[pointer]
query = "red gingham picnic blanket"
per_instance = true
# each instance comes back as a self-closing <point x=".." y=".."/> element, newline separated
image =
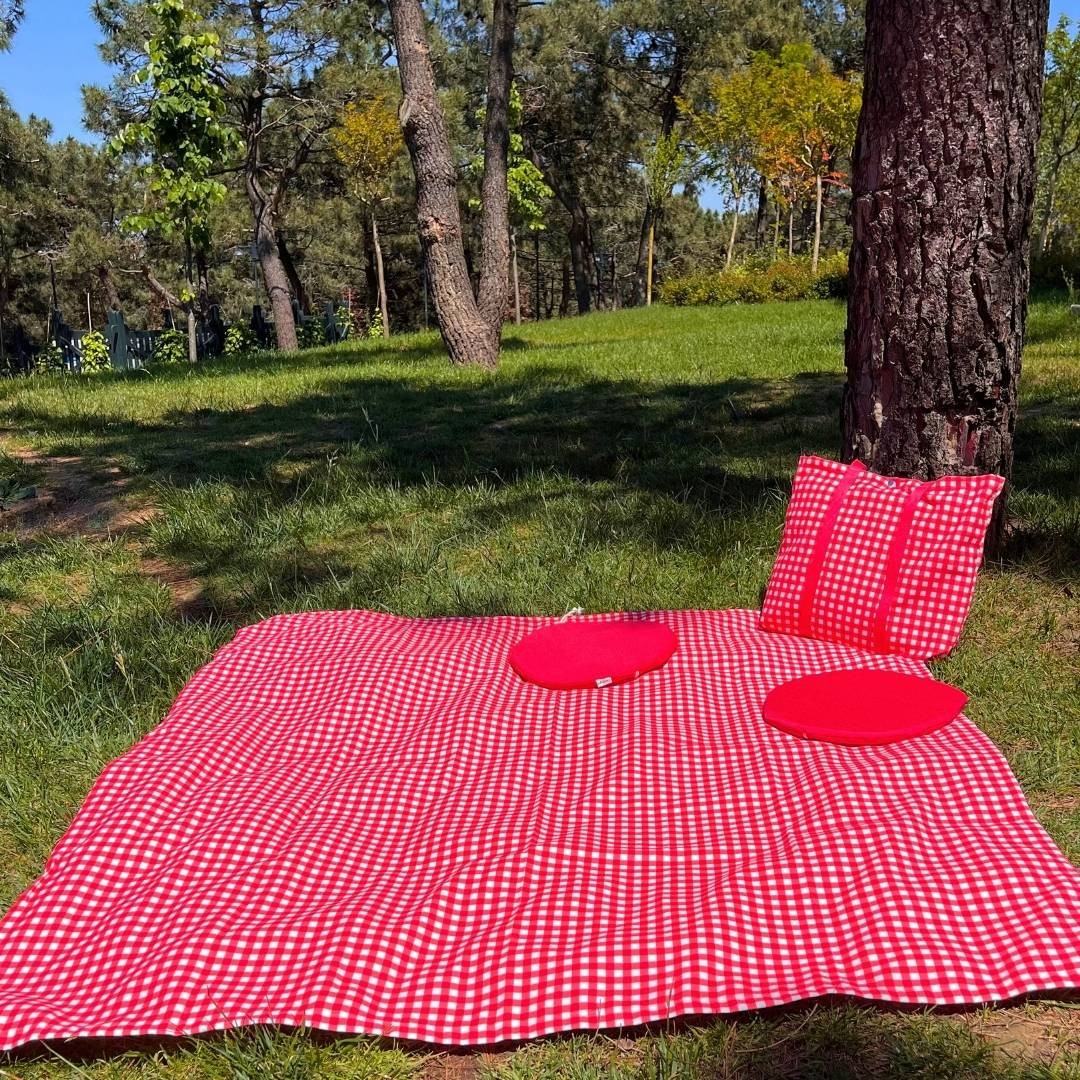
<point x="365" y="823"/>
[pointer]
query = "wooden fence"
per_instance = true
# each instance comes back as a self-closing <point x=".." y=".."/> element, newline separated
<point x="130" y="348"/>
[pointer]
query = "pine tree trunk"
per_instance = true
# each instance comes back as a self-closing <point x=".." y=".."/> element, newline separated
<point x="791" y="233"/>
<point x="296" y="283"/>
<point x="564" y="296"/>
<point x="761" y="222"/>
<point x="517" y="282"/>
<point x="581" y="257"/>
<point x="471" y="328"/>
<point x="942" y="192"/>
<point x="649" y="263"/>
<point x="275" y="279"/>
<point x="380" y="276"/>
<point x="189" y="305"/>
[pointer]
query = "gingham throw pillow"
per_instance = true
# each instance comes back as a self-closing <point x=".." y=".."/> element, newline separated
<point x="879" y="562"/>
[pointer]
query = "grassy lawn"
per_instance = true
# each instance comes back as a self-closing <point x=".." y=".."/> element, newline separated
<point x="628" y="460"/>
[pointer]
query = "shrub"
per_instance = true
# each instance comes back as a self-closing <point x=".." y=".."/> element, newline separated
<point x="95" y="351"/>
<point x="171" y="347"/>
<point x="375" y="325"/>
<point x="50" y="361"/>
<point x="310" y="333"/>
<point x="239" y="341"/>
<point x="754" y="283"/>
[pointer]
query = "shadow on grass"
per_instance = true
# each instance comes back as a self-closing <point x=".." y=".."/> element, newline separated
<point x="726" y="447"/>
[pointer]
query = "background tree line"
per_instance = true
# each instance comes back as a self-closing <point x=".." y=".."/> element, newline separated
<point x="315" y="201"/>
<point x="314" y="198"/>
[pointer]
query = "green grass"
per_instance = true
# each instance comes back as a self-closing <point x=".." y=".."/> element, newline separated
<point x="632" y="460"/>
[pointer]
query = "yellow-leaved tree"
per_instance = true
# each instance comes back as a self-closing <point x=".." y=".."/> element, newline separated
<point x="367" y="142"/>
<point x="728" y="132"/>
<point x="808" y="126"/>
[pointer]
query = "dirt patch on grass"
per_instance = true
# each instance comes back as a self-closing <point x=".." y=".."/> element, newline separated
<point x="463" y="1066"/>
<point x="74" y="498"/>
<point x="1040" y="1032"/>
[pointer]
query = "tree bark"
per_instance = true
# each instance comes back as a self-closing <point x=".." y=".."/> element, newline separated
<point x="564" y="296"/>
<point x="274" y="275"/>
<point x="292" y="273"/>
<point x="112" y="296"/>
<point x="732" y="235"/>
<point x="517" y="282"/>
<point x="942" y="191"/>
<point x="817" y="224"/>
<point x="581" y="256"/>
<point x="470" y="328"/>
<point x="263" y="203"/>
<point x="761" y="221"/>
<point x="648" y="265"/>
<point x="380" y="276"/>
<point x="1048" y="215"/>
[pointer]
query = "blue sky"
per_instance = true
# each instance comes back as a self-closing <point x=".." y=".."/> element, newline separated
<point x="55" y="53"/>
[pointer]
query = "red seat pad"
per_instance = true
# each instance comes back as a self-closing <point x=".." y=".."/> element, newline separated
<point x="357" y="822"/>
<point x="862" y="708"/>
<point x="581" y="654"/>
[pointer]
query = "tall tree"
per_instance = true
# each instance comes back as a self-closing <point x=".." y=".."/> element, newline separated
<point x="471" y="325"/>
<point x="367" y="143"/>
<point x="664" y="166"/>
<point x="943" y="188"/>
<point x="286" y="70"/>
<point x="573" y="124"/>
<point x="809" y="127"/>
<point x="664" y="49"/>
<point x="728" y="132"/>
<point x="185" y="137"/>
<point x="1060" y="142"/>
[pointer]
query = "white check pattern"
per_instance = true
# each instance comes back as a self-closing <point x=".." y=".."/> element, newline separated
<point x="936" y="579"/>
<point x="365" y="823"/>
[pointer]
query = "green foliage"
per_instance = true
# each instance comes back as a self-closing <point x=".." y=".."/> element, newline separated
<point x="311" y="333"/>
<point x="1059" y="144"/>
<point x="239" y="341"/>
<point x="663" y="166"/>
<point x="375" y="325"/>
<point x="50" y="360"/>
<point x="527" y="192"/>
<point x="344" y="323"/>
<point x="184" y="132"/>
<point x="785" y="279"/>
<point x="171" y="347"/>
<point x="95" y="351"/>
<point x="11" y="14"/>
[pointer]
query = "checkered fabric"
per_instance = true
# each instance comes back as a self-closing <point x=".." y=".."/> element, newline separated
<point x="365" y="823"/>
<point x="879" y="562"/>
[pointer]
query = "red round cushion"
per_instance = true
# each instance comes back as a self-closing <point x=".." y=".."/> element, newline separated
<point x="581" y="655"/>
<point x="862" y="708"/>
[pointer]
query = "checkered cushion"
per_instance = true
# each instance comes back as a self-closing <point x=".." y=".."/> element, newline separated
<point x="879" y="562"/>
<point x="364" y="823"/>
